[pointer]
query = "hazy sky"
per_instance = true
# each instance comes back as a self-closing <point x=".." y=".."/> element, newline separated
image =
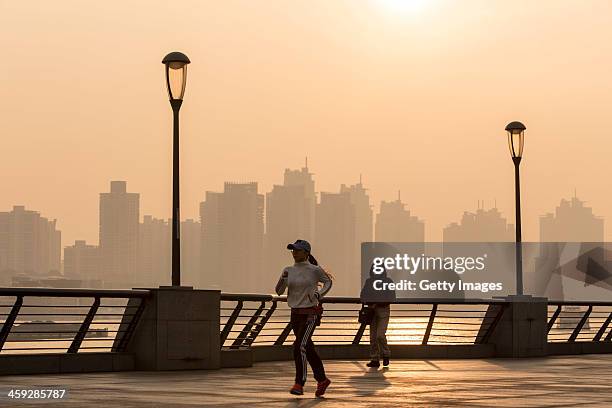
<point x="413" y="96"/>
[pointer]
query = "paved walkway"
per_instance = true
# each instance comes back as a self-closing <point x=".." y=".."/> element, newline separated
<point x="584" y="381"/>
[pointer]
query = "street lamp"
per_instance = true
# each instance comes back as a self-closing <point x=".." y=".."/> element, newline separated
<point x="516" y="140"/>
<point x="176" y="78"/>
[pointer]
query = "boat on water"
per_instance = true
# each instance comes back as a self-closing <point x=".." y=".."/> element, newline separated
<point x="49" y="329"/>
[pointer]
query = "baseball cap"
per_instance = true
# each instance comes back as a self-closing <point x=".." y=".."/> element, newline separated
<point x="300" y="244"/>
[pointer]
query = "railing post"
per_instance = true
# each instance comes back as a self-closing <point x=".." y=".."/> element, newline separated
<point x="603" y="328"/>
<point x="230" y="322"/>
<point x="432" y="318"/>
<point x="580" y="324"/>
<point x="80" y="335"/>
<point x="10" y="319"/>
<point x="259" y="326"/>
<point x="609" y="336"/>
<point x="124" y="336"/>
<point x="483" y="337"/>
<point x="247" y="328"/>
<point x="284" y="334"/>
<point x="553" y="319"/>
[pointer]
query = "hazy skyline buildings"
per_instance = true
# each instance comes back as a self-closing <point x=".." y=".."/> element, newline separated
<point x="364" y="220"/>
<point x="154" y="251"/>
<point x="230" y="250"/>
<point x="29" y="244"/>
<point x="480" y="226"/>
<point x="334" y="245"/>
<point x="83" y="262"/>
<point x="572" y="221"/>
<point x="191" y="235"/>
<point x="394" y="223"/>
<point x="290" y="215"/>
<point x="119" y="222"/>
<point x="232" y="237"/>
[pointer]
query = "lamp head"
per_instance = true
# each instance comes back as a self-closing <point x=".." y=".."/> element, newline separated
<point x="516" y="139"/>
<point x="176" y="74"/>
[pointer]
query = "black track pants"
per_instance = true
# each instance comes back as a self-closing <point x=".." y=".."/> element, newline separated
<point x="303" y="348"/>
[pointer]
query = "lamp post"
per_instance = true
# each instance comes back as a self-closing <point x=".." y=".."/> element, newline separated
<point x="176" y="78"/>
<point x="516" y="139"/>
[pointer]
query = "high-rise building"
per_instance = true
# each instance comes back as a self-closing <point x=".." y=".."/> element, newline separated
<point x="119" y="222"/>
<point x="232" y="238"/>
<point x="481" y="226"/>
<point x="29" y="244"/>
<point x="303" y="178"/>
<point x="334" y="244"/>
<point x="210" y="241"/>
<point x="290" y="215"/>
<point x="83" y="262"/>
<point x="191" y="233"/>
<point x="154" y="253"/>
<point x="394" y="223"/>
<point x="571" y="222"/>
<point x="363" y="213"/>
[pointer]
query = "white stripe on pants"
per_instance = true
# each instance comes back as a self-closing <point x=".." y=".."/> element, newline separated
<point x="305" y="339"/>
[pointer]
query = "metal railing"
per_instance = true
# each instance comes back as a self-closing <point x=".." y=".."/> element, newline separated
<point x="254" y="320"/>
<point x="573" y="321"/>
<point x="43" y="320"/>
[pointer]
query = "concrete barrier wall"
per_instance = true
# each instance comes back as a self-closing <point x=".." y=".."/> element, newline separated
<point x="246" y="357"/>
<point x="579" y="347"/>
<point x="58" y="363"/>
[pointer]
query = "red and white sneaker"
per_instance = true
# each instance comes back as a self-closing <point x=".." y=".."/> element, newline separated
<point x="297" y="389"/>
<point x="322" y="386"/>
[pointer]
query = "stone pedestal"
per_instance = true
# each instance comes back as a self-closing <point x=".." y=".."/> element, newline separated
<point x="178" y="330"/>
<point x="521" y="332"/>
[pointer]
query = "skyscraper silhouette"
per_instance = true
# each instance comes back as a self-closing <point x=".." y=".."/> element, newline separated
<point x="334" y="244"/>
<point x="290" y="215"/>
<point x="29" y="244"/>
<point x="232" y="238"/>
<point x="571" y="222"/>
<point x="395" y="224"/>
<point x="481" y="226"/>
<point x="191" y="233"/>
<point x="363" y="216"/>
<point x="83" y="262"/>
<point x="119" y="222"/>
<point x="154" y="264"/>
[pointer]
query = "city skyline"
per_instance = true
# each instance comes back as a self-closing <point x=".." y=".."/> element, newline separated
<point x="432" y="233"/>
<point x="433" y="228"/>
<point x="239" y="241"/>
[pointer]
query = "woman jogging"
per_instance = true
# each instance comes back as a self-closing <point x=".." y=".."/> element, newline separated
<point x="303" y="294"/>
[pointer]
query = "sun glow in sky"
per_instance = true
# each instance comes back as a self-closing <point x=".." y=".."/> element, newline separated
<point x="403" y="6"/>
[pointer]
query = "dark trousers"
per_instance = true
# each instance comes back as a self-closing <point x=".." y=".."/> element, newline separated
<point x="378" y="332"/>
<point x="303" y="348"/>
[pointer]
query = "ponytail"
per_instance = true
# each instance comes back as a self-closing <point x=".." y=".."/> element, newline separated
<point x="313" y="261"/>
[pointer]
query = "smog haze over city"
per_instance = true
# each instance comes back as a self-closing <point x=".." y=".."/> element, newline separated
<point x="394" y="99"/>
